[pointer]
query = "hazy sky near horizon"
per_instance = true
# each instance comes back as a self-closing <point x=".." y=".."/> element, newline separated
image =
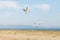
<point x="48" y="11"/>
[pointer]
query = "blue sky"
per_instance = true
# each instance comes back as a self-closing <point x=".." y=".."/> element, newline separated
<point x="48" y="11"/>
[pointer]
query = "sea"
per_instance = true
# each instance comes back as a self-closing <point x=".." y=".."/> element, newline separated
<point x="29" y="27"/>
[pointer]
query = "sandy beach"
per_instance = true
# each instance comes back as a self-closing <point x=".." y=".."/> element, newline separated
<point x="29" y="35"/>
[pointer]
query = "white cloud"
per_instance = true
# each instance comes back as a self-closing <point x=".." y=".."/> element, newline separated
<point x="43" y="7"/>
<point x="5" y="15"/>
<point x="8" y="4"/>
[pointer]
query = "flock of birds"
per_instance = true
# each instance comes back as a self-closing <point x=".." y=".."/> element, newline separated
<point x="27" y="10"/>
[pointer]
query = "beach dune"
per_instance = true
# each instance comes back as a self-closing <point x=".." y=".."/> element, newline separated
<point x="29" y="35"/>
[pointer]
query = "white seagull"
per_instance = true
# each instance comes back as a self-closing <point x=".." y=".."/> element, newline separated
<point x="27" y="10"/>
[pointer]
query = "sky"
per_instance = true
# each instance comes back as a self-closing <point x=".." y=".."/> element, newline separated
<point x="48" y="11"/>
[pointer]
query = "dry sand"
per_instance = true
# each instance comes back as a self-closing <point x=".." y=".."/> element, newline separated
<point x="29" y="35"/>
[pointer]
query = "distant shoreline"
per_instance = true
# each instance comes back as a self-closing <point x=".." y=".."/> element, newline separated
<point x="31" y="29"/>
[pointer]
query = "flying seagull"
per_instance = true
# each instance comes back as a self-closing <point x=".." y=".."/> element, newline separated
<point x="26" y="9"/>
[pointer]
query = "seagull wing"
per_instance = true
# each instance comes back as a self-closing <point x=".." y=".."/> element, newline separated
<point x="24" y="10"/>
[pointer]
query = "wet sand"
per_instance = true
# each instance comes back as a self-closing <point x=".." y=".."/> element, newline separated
<point x="29" y="35"/>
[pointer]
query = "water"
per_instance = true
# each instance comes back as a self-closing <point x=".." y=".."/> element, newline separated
<point x="29" y="28"/>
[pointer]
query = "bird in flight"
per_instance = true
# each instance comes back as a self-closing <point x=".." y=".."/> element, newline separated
<point x="27" y="10"/>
